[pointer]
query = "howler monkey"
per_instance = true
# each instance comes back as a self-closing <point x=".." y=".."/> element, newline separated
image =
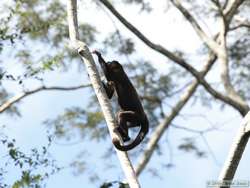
<point x="131" y="113"/>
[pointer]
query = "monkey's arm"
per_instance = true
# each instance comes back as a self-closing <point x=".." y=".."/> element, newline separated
<point x="103" y="64"/>
<point x="109" y="88"/>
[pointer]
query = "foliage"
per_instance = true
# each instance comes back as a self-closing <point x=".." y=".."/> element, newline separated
<point x="33" y="168"/>
<point x="34" y="37"/>
<point x="240" y="67"/>
<point x="112" y="184"/>
<point x="145" y="6"/>
<point x="77" y="121"/>
<point x="189" y="145"/>
<point x="120" y="45"/>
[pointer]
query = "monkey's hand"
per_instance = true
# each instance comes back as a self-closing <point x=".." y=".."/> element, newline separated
<point x="109" y="88"/>
<point x="111" y="84"/>
<point x="96" y="52"/>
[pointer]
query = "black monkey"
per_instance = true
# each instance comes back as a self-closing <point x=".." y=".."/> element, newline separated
<point x="131" y="113"/>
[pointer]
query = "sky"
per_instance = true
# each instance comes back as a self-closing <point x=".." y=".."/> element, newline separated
<point x="161" y="27"/>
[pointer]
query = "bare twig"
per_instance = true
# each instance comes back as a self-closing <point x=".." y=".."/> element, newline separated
<point x="99" y="90"/>
<point x="212" y="44"/>
<point x="145" y="157"/>
<point x="158" y="132"/>
<point x="200" y="132"/>
<point x="134" y="30"/>
<point x="243" y="108"/>
<point x="241" y="25"/>
<point x="223" y="57"/>
<point x="210" y="150"/>
<point x="231" y="9"/>
<point x="20" y="96"/>
<point x="220" y="48"/>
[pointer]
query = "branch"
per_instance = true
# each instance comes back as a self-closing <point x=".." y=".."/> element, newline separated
<point x="231" y="8"/>
<point x="223" y="58"/>
<point x="145" y="157"/>
<point x="156" y="135"/>
<point x="229" y="12"/>
<point x="134" y="30"/>
<point x="99" y="90"/>
<point x="219" y="49"/>
<point x="212" y="44"/>
<point x="236" y="151"/>
<point x="241" y="22"/>
<point x="20" y="96"/>
<point x="243" y="108"/>
<point x="241" y="25"/>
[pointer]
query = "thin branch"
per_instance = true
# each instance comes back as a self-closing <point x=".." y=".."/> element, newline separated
<point x="236" y="151"/>
<point x="231" y="8"/>
<point x="223" y="58"/>
<point x="210" y="150"/>
<point x="243" y="108"/>
<point x="145" y="157"/>
<point x="158" y="132"/>
<point x="220" y="49"/>
<point x="212" y="44"/>
<point x="241" y="22"/>
<point x="200" y="132"/>
<point x="20" y="96"/>
<point x="134" y="30"/>
<point x="225" y="78"/>
<point x="225" y="4"/>
<point x="99" y="90"/>
<point x="117" y="31"/>
<point x="241" y="25"/>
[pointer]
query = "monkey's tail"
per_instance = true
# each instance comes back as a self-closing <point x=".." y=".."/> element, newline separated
<point x="142" y="133"/>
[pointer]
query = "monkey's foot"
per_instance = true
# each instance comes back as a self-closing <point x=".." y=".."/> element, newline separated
<point x="125" y="139"/>
<point x="123" y="134"/>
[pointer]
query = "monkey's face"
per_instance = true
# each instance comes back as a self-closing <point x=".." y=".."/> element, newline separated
<point x="115" y="67"/>
<point x="115" y="70"/>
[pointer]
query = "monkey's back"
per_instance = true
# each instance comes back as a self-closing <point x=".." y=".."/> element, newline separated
<point x="128" y="97"/>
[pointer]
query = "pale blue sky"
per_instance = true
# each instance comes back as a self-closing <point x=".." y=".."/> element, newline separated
<point x="189" y="171"/>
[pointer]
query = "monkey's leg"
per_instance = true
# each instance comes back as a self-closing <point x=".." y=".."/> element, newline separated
<point x="125" y="117"/>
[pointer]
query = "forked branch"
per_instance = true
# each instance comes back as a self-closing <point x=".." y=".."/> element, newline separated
<point x="243" y="108"/>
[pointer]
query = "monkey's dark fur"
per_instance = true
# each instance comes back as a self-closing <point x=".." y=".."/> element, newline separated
<point x="131" y="113"/>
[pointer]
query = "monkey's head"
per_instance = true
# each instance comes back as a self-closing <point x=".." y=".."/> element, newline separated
<point x="115" y="67"/>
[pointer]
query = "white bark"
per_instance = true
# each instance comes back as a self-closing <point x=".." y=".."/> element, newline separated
<point x="236" y="151"/>
<point x="145" y="157"/>
<point x="243" y="108"/>
<point x="223" y="57"/>
<point x="209" y="41"/>
<point x="7" y="104"/>
<point x="161" y="128"/>
<point x="99" y="90"/>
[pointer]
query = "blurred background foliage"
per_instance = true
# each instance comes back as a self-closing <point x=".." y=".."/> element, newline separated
<point x="34" y="39"/>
